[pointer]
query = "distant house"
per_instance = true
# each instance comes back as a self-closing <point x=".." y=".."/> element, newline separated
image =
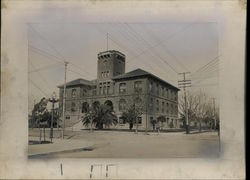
<point x="117" y="89"/>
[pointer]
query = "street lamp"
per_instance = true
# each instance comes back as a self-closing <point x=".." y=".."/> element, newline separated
<point x="53" y="101"/>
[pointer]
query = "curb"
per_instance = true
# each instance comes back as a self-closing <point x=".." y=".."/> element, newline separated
<point x="90" y="148"/>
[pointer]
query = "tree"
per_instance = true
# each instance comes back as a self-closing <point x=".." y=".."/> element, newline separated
<point x="134" y="110"/>
<point x="100" y="116"/>
<point x="192" y="105"/>
<point x="199" y="109"/>
<point x="40" y="112"/>
<point x="160" y="121"/>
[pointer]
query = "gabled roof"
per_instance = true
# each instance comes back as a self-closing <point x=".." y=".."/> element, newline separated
<point x="140" y="73"/>
<point x="76" y="82"/>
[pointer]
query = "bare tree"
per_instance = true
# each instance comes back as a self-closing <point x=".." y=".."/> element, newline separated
<point x="134" y="109"/>
<point x="199" y="109"/>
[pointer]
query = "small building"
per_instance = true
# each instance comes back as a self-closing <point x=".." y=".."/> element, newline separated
<point x="118" y="89"/>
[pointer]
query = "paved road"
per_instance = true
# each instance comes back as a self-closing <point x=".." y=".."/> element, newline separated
<point x="113" y="144"/>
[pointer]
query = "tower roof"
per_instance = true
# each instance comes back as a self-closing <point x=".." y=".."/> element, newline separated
<point x="110" y="52"/>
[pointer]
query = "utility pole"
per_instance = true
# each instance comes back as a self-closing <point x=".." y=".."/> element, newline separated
<point x="214" y="113"/>
<point x="64" y="94"/>
<point x="53" y="101"/>
<point x="184" y="84"/>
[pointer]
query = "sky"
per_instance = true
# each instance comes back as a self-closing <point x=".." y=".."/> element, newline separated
<point x="164" y="50"/>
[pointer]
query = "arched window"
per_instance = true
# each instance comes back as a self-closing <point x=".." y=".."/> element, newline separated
<point x="109" y="104"/>
<point x="122" y="104"/>
<point x="85" y="107"/>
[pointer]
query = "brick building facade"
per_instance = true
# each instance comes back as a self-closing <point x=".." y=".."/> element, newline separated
<point x="119" y="89"/>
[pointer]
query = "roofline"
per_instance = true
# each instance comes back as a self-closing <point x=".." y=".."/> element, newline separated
<point x="111" y="51"/>
<point x="62" y="85"/>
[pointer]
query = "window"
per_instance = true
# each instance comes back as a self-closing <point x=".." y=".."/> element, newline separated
<point x="151" y="103"/>
<point x="67" y="117"/>
<point x="157" y="89"/>
<point x="73" y="107"/>
<point x="94" y="92"/>
<point x="151" y="86"/>
<point x="122" y="104"/>
<point x="100" y="90"/>
<point x="138" y="86"/>
<point x="104" y="90"/>
<point x="122" y="88"/>
<point x="163" y="107"/>
<point x="84" y="92"/>
<point x="138" y="101"/>
<point x="167" y="108"/>
<point x="171" y="109"/>
<point x="139" y="120"/>
<point x="162" y="91"/>
<point x="108" y="90"/>
<point x="157" y="105"/>
<point x="175" y="97"/>
<point x="167" y="92"/>
<point x="73" y="93"/>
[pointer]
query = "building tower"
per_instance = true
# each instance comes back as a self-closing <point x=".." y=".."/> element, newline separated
<point x="110" y="63"/>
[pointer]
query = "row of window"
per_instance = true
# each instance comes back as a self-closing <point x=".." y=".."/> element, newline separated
<point x="105" y="88"/>
<point x="137" y="87"/>
<point x="163" y="91"/>
<point x="165" y="107"/>
<point x="105" y="74"/>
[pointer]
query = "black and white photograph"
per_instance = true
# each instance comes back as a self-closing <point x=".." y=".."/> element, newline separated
<point x="123" y="90"/>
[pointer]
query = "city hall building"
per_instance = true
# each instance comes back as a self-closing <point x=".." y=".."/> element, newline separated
<point x="119" y="90"/>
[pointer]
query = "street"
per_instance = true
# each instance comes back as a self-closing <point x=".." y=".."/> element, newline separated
<point x="123" y="144"/>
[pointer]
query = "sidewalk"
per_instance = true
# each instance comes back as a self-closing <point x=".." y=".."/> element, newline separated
<point x="58" y="146"/>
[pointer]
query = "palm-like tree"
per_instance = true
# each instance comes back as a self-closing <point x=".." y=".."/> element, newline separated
<point x="100" y="116"/>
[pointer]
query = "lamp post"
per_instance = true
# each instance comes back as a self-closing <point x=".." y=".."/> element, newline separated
<point x="53" y="101"/>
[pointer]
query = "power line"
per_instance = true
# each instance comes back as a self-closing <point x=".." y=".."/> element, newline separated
<point x="201" y="68"/>
<point x="42" y="52"/>
<point x="34" y="84"/>
<point x="43" y="68"/>
<point x="208" y="69"/>
<point x="46" y="82"/>
<point x="61" y="56"/>
<point x="155" y="53"/>
<point x="133" y="42"/>
<point x="42" y="37"/>
<point x="60" y="60"/>
<point x="168" y="51"/>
